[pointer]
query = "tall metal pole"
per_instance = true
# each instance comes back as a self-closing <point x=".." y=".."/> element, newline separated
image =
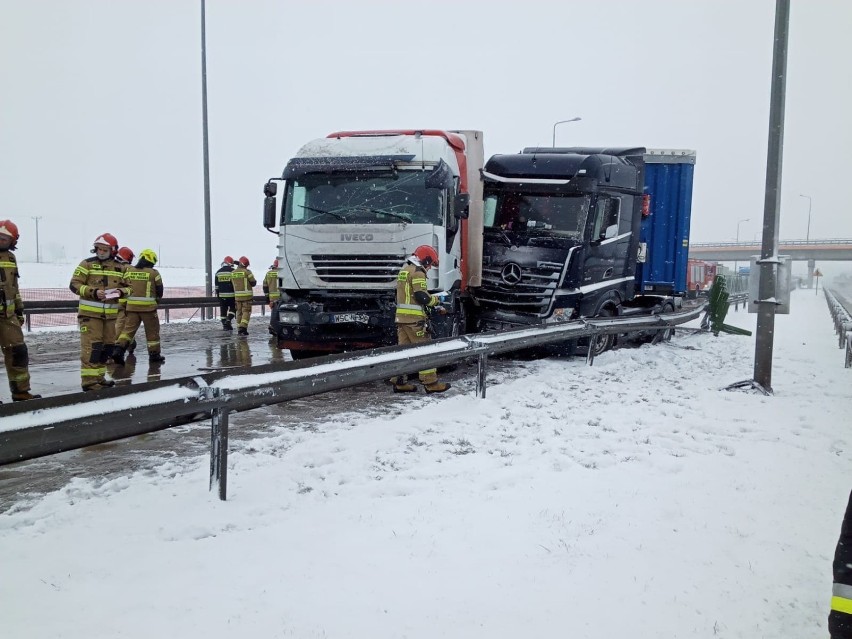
<point x="562" y="122"/>
<point x="38" y="251"/>
<point x="810" y="202"/>
<point x="208" y="255"/>
<point x="771" y="209"/>
<point x="736" y="272"/>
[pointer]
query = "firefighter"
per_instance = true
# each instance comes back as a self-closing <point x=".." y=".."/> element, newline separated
<point x="225" y="293"/>
<point x="98" y="282"/>
<point x="15" y="351"/>
<point x="412" y="304"/>
<point x="146" y="290"/>
<point x="270" y="290"/>
<point x="243" y="281"/>
<point x="124" y="257"/>
<point x="840" y="617"/>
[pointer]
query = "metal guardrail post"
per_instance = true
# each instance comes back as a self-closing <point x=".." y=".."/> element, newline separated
<point x="166" y="314"/>
<point x="848" y="361"/>
<point x="480" y="377"/>
<point x="218" y="445"/>
<point x="29" y="323"/>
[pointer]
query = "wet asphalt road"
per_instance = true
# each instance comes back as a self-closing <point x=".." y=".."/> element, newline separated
<point x="189" y="349"/>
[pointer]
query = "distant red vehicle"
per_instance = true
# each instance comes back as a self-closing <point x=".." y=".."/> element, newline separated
<point x="700" y="274"/>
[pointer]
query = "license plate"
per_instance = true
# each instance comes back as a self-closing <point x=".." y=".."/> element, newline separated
<point x="360" y="318"/>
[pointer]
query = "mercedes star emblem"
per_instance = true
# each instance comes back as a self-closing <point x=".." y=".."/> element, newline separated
<point x="511" y="273"/>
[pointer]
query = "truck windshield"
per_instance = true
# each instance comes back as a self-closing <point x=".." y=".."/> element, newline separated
<point x="363" y="199"/>
<point x="537" y="213"/>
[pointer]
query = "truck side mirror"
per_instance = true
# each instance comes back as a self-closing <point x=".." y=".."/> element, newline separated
<point x="461" y="205"/>
<point x="269" y="211"/>
<point x="270" y="189"/>
<point x="611" y="231"/>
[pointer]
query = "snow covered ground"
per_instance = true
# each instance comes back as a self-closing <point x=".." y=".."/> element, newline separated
<point x="631" y="499"/>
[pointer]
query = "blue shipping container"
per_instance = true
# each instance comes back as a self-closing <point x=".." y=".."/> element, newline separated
<point x="665" y="232"/>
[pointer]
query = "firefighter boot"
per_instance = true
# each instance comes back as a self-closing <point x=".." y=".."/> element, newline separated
<point x="24" y="396"/>
<point x="155" y="357"/>
<point x="242" y="330"/>
<point x="436" y="387"/>
<point x="401" y="385"/>
<point x="131" y="347"/>
<point x="118" y="354"/>
<point x="21" y="394"/>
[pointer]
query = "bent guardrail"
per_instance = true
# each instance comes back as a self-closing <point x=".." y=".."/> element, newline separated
<point x="56" y="424"/>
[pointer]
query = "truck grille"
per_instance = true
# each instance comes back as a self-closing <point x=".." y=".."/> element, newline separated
<point x="531" y="295"/>
<point x="356" y="269"/>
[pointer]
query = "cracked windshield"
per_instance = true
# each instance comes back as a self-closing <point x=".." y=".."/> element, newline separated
<point x="363" y="199"/>
<point x="522" y="212"/>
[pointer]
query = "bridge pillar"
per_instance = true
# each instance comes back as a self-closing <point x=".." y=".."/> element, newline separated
<point x="811" y="267"/>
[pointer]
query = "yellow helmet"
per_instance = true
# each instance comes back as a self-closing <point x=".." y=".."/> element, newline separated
<point x="148" y="255"/>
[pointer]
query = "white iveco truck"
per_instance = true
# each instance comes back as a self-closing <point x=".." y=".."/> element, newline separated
<point x="354" y="205"/>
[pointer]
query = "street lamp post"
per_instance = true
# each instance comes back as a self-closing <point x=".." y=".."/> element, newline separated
<point x="577" y="119"/>
<point x="208" y="260"/>
<point x="810" y="202"/>
<point x="736" y="272"/>
<point x="38" y="252"/>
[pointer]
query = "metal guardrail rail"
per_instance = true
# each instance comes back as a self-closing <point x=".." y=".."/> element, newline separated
<point x="167" y="303"/>
<point x="842" y="319"/>
<point x="56" y="424"/>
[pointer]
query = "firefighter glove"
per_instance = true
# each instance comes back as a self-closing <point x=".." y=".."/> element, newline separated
<point x="20" y="317"/>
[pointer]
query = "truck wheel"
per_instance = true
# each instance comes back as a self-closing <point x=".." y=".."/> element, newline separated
<point x="666" y="335"/>
<point x="602" y="343"/>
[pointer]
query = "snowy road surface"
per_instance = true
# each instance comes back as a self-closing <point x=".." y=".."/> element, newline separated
<point x="631" y="499"/>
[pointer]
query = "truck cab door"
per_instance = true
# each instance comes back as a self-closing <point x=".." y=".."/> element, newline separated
<point x="606" y="256"/>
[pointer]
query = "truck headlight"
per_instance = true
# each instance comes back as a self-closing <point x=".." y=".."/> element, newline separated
<point x="288" y="317"/>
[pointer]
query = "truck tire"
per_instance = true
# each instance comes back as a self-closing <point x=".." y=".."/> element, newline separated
<point x="602" y="343"/>
<point x="666" y="335"/>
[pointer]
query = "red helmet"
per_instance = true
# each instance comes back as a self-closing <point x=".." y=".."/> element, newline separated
<point x="228" y="260"/>
<point x="109" y="240"/>
<point x="125" y="254"/>
<point x="9" y="228"/>
<point x="427" y="255"/>
<point x="275" y="263"/>
<point x="244" y="261"/>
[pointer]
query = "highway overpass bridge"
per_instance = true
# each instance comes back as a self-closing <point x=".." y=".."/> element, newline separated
<point x="838" y="250"/>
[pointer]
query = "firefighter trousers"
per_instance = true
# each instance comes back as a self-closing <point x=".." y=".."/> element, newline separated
<point x="15" y="354"/>
<point x="97" y="337"/>
<point x="243" y="313"/>
<point x="227" y="308"/>
<point x="417" y="333"/>
<point x="152" y="329"/>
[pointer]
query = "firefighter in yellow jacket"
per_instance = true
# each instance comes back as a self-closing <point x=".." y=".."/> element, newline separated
<point x="243" y="281"/>
<point x="412" y="303"/>
<point x="146" y="290"/>
<point x="98" y="282"/>
<point x="15" y="351"/>
<point x="124" y="257"/>
<point x="271" y="291"/>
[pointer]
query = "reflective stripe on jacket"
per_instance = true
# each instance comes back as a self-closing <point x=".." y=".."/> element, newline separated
<point x="224" y="286"/>
<point x="10" y="294"/>
<point x="243" y="282"/>
<point x="410" y="281"/>
<point x="270" y="286"/>
<point x="146" y="288"/>
<point x="93" y="275"/>
<point x="840" y="617"/>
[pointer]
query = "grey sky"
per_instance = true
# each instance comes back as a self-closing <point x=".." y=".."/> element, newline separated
<point x="100" y="116"/>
